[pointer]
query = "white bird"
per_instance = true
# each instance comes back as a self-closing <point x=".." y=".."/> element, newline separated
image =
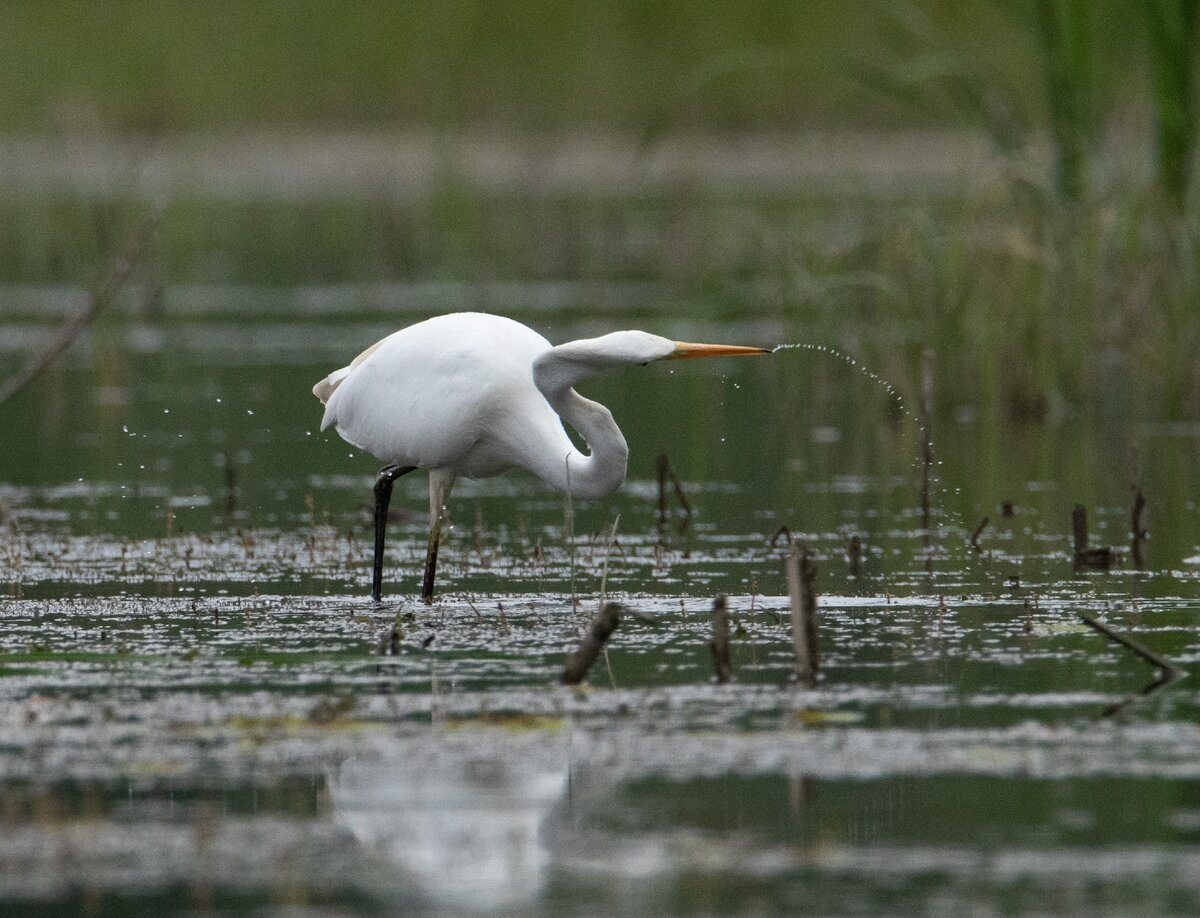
<point x="472" y="395"/>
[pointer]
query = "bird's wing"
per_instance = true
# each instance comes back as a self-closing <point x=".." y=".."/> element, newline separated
<point x="453" y="392"/>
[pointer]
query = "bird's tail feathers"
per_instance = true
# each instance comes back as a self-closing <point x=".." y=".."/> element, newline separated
<point x="325" y="388"/>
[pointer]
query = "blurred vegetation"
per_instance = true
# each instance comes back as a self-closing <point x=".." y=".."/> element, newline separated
<point x="1171" y="26"/>
<point x="1036" y="307"/>
<point x="175" y="65"/>
<point x="1039" y="289"/>
<point x="1067" y="44"/>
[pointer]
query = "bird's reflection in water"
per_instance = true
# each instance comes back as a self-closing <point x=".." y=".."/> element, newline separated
<point x="467" y="834"/>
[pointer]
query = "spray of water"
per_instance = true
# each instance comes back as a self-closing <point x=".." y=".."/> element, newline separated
<point x="906" y="412"/>
<point x="873" y="376"/>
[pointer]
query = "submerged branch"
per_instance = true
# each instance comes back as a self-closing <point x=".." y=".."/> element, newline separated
<point x="1169" y="669"/>
<point x="1168" y="672"/>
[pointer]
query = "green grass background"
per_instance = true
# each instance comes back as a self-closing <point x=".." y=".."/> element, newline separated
<point x="168" y="65"/>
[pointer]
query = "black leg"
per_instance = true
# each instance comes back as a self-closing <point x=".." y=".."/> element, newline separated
<point x="383" y="496"/>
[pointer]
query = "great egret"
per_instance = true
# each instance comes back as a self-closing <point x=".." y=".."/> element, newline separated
<point x="471" y="395"/>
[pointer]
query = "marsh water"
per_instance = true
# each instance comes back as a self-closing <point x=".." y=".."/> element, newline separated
<point x="202" y="711"/>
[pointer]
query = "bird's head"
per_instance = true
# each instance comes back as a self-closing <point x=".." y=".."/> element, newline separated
<point x="625" y="348"/>
<point x="559" y="368"/>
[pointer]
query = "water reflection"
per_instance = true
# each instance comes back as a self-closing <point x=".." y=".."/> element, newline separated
<point x="467" y="833"/>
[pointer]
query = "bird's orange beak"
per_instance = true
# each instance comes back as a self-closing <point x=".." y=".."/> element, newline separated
<point x="685" y="350"/>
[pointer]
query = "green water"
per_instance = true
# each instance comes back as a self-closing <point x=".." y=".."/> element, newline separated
<point x="197" y="717"/>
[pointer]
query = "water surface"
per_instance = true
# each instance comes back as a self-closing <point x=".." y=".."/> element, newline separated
<point x="202" y="710"/>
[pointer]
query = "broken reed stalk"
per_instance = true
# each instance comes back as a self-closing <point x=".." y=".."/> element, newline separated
<point x="99" y="297"/>
<point x="784" y="531"/>
<point x="612" y="539"/>
<point x="231" y="488"/>
<point x="854" y="556"/>
<point x="602" y="627"/>
<point x="808" y="578"/>
<point x="1101" y="558"/>
<point x="801" y="574"/>
<point x="663" y="464"/>
<point x="665" y="473"/>
<point x="722" y="665"/>
<point x="976" y="534"/>
<point x="1079" y="529"/>
<point x="1137" y="531"/>
<point x="569" y="524"/>
<point x="926" y="435"/>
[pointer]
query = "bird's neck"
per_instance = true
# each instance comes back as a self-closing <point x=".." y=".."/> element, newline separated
<point x="588" y="476"/>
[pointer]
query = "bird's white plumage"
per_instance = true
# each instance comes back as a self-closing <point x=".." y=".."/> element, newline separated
<point x="473" y="395"/>
<point x="454" y="392"/>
